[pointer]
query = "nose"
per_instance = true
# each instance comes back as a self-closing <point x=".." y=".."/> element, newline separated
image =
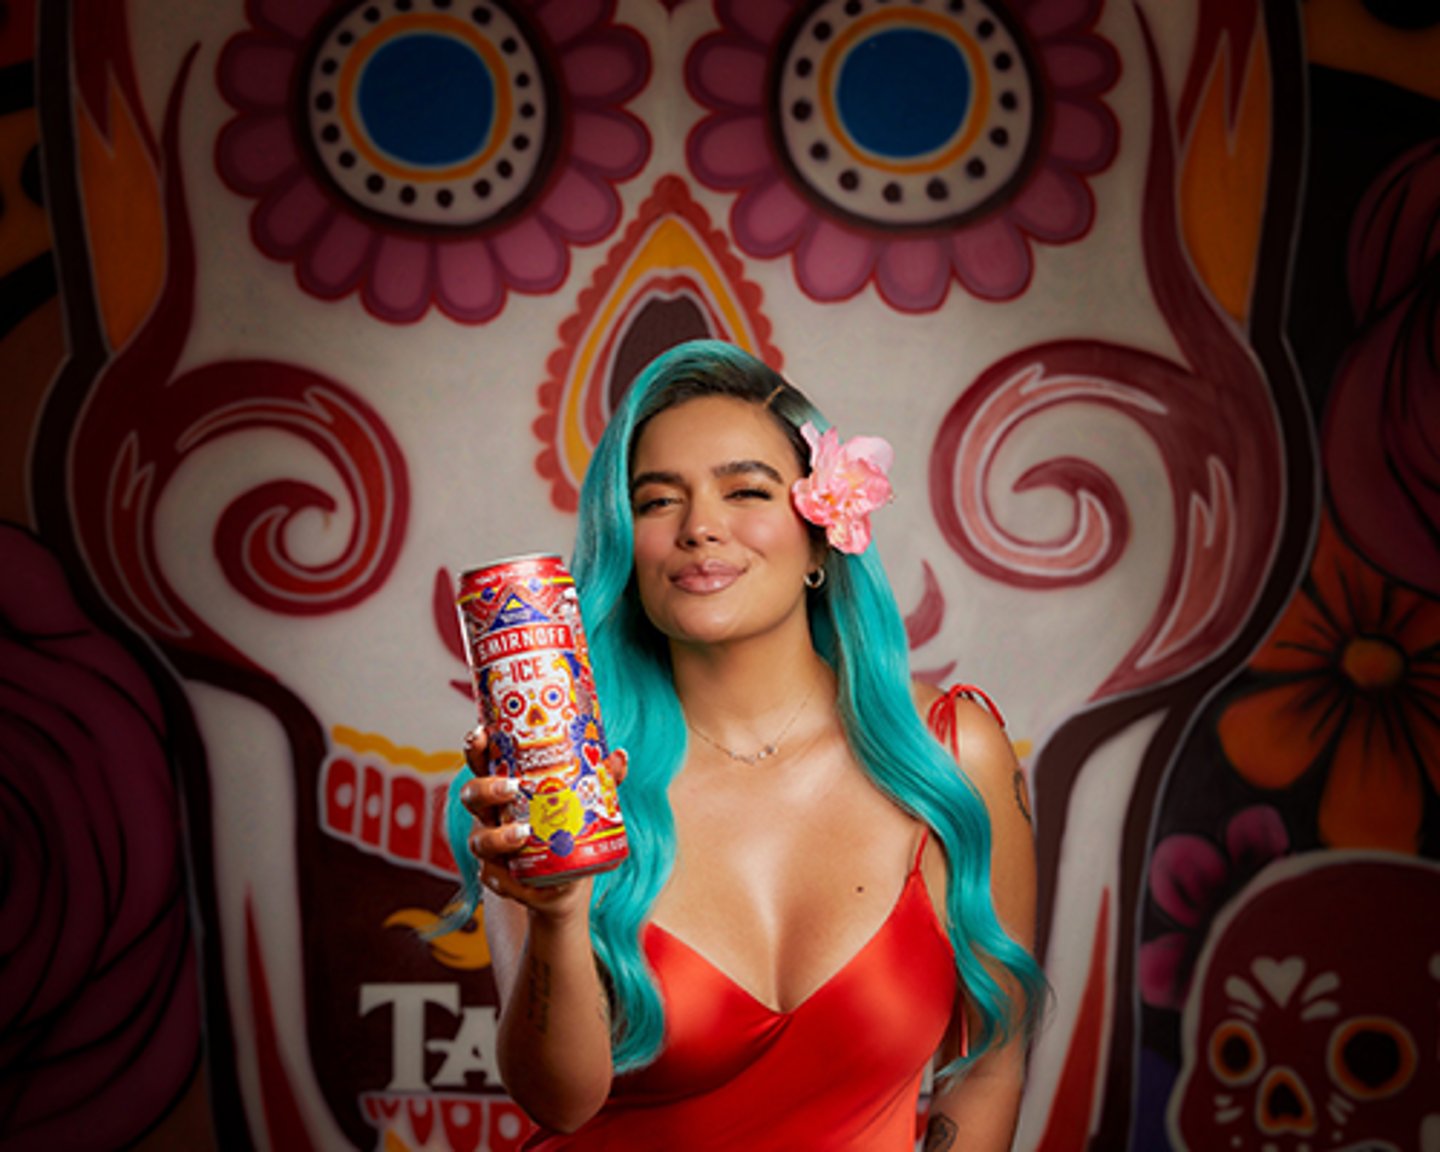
<point x="1284" y="1105"/>
<point x="703" y="522"/>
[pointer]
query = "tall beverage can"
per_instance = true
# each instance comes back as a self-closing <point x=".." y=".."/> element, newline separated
<point x="535" y="691"/>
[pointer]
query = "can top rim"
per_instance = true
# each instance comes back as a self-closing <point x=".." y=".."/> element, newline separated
<point x="504" y="560"/>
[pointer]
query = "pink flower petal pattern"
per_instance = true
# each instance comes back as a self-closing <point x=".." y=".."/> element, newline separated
<point x="992" y="119"/>
<point x="451" y="205"/>
<point x="1191" y="879"/>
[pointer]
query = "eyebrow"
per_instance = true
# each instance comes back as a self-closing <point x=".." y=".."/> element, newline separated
<point x="731" y="468"/>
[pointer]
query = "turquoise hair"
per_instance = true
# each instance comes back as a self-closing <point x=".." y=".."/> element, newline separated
<point x="857" y="629"/>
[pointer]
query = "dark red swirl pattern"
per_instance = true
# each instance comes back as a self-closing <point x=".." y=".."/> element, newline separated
<point x="99" y="1004"/>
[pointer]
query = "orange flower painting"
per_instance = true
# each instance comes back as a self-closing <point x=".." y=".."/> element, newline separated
<point x="1349" y="685"/>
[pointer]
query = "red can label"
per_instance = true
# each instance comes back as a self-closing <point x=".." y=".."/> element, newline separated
<point x="536" y="693"/>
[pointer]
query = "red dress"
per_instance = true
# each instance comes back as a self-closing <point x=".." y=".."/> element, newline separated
<point x="840" y="1072"/>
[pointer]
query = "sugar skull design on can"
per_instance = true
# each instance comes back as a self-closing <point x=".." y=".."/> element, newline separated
<point x="536" y="694"/>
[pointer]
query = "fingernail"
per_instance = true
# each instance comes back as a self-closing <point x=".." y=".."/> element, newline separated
<point x="508" y="787"/>
<point x="474" y="843"/>
<point x="519" y="833"/>
<point x="467" y="792"/>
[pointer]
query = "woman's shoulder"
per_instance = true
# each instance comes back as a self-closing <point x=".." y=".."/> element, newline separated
<point x="967" y="722"/>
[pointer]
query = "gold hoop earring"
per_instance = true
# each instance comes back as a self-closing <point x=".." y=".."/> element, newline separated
<point x="815" y="580"/>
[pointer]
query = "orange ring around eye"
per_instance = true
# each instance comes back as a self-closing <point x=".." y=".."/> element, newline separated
<point x="1340" y="1060"/>
<point x="1235" y="1052"/>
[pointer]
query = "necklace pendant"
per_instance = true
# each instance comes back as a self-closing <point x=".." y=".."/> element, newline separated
<point x="765" y="753"/>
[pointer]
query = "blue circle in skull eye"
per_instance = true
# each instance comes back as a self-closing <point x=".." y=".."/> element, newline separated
<point x="427" y="100"/>
<point x="903" y="93"/>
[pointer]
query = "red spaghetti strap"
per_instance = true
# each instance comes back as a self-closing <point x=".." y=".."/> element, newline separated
<point x="920" y="851"/>
<point x="942" y="714"/>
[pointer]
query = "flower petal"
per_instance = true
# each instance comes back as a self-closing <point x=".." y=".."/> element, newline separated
<point x="1304" y="639"/>
<point x="991" y="259"/>
<point x="532" y="258"/>
<point x="1084" y="136"/>
<point x="1352" y="591"/>
<point x="1373" y="797"/>
<point x="760" y="20"/>
<point x="913" y="275"/>
<point x="726" y="75"/>
<point x="284" y="221"/>
<point x="1254" y="838"/>
<point x="606" y="68"/>
<point x="338" y="257"/>
<point x="582" y="208"/>
<point x="1089" y="66"/>
<point x="769" y="218"/>
<point x="1424" y="728"/>
<point x="292" y="18"/>
<point x="1274" y="735"/>
<point x="399" y="285"/>
<point x="728" y="152"/>
<point x="1049" y="17"/>
<point x="1053" y="206"/>
<point x="255" y="152"/>
<point x="1187" y="878"/>
<point x="611" y="143"/>
<point x="468" y="286"/>
<point x="833" y="263"/>
<point x="254" y="72"/>
<point x="1165" y="967"/>
<point x="851" y="535"/>
<point x="564" y="20"/>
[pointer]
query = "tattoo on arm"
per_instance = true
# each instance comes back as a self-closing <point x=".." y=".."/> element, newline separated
<point x="1022" y="798"/>
<point x="537" y="996"/>
<point x="940" y="1134"/>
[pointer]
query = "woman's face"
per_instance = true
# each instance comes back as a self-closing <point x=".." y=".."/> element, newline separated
<point x="720" y="552"/>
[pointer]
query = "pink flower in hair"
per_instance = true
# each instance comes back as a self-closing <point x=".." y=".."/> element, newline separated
<point x="846" y="483"/>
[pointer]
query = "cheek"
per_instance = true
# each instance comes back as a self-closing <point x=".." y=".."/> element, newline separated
<point x="779" y="534"/>
<point x="650" y="551"/>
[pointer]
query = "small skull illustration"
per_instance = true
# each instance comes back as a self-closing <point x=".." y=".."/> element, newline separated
<point x="1311" y="1025"/>
<point x="534" y="700"/>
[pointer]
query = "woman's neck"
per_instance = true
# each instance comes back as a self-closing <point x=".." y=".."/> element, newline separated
<point x="740" y="694"/>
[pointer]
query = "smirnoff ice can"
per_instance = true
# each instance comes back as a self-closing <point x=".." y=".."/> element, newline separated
<point x="535" y="691"/>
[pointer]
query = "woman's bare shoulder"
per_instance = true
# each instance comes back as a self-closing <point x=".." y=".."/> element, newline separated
<point x="979" y="738"/>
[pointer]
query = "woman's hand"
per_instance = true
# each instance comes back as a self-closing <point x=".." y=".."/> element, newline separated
<point x="497" y="838"/>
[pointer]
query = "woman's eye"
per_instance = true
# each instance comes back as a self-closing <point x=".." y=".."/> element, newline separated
<point x="750" y="494"/>
<point x="652" y="504"/>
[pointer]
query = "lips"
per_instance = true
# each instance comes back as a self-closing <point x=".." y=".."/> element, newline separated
<point x="707" y="577"/>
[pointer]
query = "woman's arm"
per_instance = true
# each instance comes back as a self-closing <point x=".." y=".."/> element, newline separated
<point x="554" y="1035"/>
<point x="979" y="1112"/>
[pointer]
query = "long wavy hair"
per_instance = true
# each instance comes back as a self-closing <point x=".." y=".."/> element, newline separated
<point x="856" y="628"/>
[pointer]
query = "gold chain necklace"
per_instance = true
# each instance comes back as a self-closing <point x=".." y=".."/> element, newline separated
<point x="768" y="750"/>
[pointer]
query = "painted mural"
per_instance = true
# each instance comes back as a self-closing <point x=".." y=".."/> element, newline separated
<point x="308" y="305"/>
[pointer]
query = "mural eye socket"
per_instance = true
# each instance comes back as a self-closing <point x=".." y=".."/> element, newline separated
<point x="552" y="697"/>
<point x="1236" y="1054"/>
<point x="512" y="704"/>
<point x="1371" y="1057"/>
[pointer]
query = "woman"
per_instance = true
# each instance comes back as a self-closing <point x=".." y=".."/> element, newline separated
<point x="816" y="903"/>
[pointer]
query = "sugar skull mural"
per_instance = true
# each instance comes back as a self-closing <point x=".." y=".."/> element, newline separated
<point x="1312" y="1020"/>
<point x="310" y="305"/>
